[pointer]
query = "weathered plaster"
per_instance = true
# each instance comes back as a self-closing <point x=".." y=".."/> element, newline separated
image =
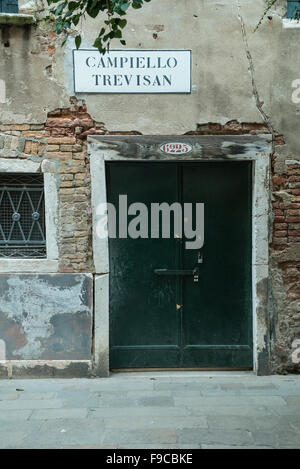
<point x="51" y="215"/>
<point x="46" y="317"/>
<point x="26" y="54"/>
<point x="101" y="326"/>
<point x="19" y="166"/>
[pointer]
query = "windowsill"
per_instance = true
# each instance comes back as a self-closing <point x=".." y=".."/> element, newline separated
<point x="17" y="19"/>
<point x="290" y="24"/>
<point x="33" y="266"/>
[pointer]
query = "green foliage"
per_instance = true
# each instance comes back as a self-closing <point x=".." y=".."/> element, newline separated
<point x="67" y="15"/>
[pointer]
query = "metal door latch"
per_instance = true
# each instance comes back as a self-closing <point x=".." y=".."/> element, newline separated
<point x="196" y="274"/>
<point x="183" y="272"/>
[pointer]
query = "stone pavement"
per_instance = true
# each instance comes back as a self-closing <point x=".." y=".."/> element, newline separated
<point x="169" y="410"/>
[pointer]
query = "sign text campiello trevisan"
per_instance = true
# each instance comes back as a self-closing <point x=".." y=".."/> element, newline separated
<point x="132" y="71"/>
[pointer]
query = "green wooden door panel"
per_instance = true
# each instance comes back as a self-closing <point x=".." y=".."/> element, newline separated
<point x="213" y="326"/>
<point x="143" y="319"/>
<point x="217" y="310"/>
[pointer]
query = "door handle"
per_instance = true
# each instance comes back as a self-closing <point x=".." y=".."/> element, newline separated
<point x="183" y="272"/>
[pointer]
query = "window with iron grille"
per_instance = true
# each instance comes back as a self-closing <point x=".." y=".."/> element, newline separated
<point x="9" y="6"/>
<point x="22" y="216"/>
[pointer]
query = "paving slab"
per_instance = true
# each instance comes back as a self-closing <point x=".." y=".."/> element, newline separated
<point x="177" y="422"/>
<point x="155" y="436"/>
<point x="215" y="436"/>
<point x="66" y="432"/>
<point x="60" y="414"/>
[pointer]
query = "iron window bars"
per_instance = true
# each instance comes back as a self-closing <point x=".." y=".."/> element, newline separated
<point x="22" y="216"/>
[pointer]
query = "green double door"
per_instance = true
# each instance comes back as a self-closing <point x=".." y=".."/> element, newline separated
<point x="173" y="307"/>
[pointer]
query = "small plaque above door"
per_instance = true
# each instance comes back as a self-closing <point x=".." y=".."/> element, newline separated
<point x="176" y="148"/>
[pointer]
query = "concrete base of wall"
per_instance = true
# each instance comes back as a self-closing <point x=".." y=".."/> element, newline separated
<point x="46" y="369"/>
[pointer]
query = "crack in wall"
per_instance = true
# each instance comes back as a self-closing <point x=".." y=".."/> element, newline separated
<point x="258" y="101"/>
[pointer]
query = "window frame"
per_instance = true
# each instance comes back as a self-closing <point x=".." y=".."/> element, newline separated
<point x="50" y="263"/>
<point x="22" y="205"/>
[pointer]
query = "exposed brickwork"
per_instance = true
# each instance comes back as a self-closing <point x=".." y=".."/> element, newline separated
<point x="286" y="227"/>
<point x="62" y="138"/>
<point x="285" y="263"/>
<point x="232" y="127"/>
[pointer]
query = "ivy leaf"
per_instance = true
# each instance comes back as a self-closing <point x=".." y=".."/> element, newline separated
<point x="98" y="43"/>
<point x="73" y="5"/>
<point x="60" y="8"/>
<point x="118" y="33"/>
<point x="75" y="19"/>
<point x="78" y="41"/>
<point x="65" y="39"/>
<point x="122" y="23"/>
<point x="62" y="13"/>
<point x="93" y="9"/>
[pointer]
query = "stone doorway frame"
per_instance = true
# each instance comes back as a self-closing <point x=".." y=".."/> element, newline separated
<point x="257" y="149"/>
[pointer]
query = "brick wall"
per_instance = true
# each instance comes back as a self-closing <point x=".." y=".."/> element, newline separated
<point x="62" y="139"/>
<point x="285" y="262"/>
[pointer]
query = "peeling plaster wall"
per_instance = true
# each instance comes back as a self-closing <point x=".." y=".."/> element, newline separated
<point x="29" y="62"/>
<point x="46" y="317"/>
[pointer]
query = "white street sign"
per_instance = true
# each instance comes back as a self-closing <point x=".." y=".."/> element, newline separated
<point x="132" y="71"/>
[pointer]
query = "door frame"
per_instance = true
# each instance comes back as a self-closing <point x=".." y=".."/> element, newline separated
<point x="257" y="149"/>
